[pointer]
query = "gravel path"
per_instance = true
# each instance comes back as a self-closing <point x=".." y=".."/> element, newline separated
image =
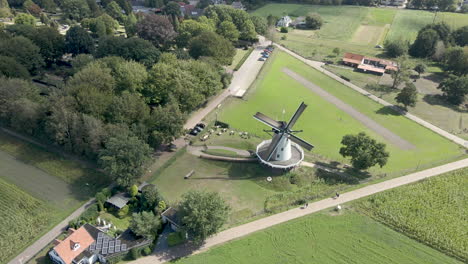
<point x="369" y="123"/>
<point x="246" y="229"/>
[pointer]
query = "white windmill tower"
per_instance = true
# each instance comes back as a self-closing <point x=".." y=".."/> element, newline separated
<point x="284" y="149"/>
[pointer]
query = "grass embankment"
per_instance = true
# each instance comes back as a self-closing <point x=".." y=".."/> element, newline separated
<point x="323" y="238"/>
<point x="222" y="152"/>
<point x="432" y="211"/>
<point x="240" y="57"/>
<point x="324" y="124"/>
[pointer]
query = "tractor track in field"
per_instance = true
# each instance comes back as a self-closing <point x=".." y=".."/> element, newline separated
<point x="366" y="121"/>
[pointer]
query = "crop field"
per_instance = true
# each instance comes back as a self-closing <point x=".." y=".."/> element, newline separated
<point x="432" y="211"/>
<point x="43" y="188"/>
<point x="22" y="218"/>
<point x="353" y="28"/>
<point x="324" y="237"/>
<point x="324" y="124"/>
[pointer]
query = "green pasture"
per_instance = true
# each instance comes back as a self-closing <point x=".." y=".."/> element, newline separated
<point x="432" y="211"/>
<point x="354" y="28"/>
<point x="324" y="125"/>
<point x="326" y="237"/>
<point x="43" y="188"/>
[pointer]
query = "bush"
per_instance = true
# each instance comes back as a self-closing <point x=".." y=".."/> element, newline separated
<point x="124" y="211"/>
<point x="396" y="48"/>
<point x="135" y="253"/>
<point x="284" y="37"/>
<point x="147" y="251"/>
<point x="176" y="238"/>
<point x="91" y="213"/>
<point x="313" y="21"/>
<point x="284" y="30"/>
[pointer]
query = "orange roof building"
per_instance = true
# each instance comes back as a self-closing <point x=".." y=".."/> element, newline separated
<point x="369" y="64"/>
<point x="66" y="251"/>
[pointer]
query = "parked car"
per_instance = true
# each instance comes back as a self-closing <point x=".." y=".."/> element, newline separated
<point x="261" y="59"/>
<point x="194" y="132"/>
<point x="266" y="56"/>
<point x="201" y="125"/>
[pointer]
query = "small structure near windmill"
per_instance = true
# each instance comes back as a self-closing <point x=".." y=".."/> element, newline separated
<point x="284" y="150"/>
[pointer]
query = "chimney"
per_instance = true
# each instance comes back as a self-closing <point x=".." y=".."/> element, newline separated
<point x="71" y="231"/>
<point x="57" y="241"/>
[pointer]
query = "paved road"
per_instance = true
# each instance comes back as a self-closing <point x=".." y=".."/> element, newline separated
<point x="246" y="229"/>
<point x="318" y="66"/>
<point x="37" y="246"/>
<point x="241" y="81"/>
<point x="366" y="121"/>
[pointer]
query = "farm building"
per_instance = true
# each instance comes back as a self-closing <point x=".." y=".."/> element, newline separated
<point x="284" y="22"/>
<point x="89" y="244"/>
<point x="369" y="64"/>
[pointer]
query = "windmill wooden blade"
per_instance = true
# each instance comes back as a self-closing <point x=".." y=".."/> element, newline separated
<point x="273" y="145"/>
<point x="301" y="142"/>
<point x="268" y="121"/>
<point x="296" y="115"/>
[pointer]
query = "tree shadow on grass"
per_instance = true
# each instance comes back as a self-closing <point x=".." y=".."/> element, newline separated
<point x="348" y="176"/>
<point x="390" y="110"/>
<point x="437" y="99"/>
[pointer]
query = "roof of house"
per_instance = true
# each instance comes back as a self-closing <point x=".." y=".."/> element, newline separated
<point x="66" y="250"/>
<point x="352" y="58"/>
<point x="119" y="200"/>
<point x="371" y="68"/>
<point x="237" y="4"/>
<point x="172" y="216"/>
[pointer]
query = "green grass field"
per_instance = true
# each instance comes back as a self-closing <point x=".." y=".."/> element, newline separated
<point x="353" y="28"/>
<point x="323" y="238"/>
<point x="325" y="125"/>
<point x="432" y="211"/>
<point x="45" y="188"/>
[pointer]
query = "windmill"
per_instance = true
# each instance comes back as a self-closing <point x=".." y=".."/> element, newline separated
<point x="284" y="149"/>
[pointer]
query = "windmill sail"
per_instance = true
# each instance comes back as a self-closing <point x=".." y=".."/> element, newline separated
<point x="296" y="115"/>
<point x="301" y="142"/>
<point x="268" y="121"/>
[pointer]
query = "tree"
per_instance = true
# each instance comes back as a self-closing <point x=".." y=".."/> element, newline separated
<point x="23" y="51"/>
<point x="260" y="23"/>
<point x="77" y="41"/>
<point x="425" y="44"/>
<point x="189" y="29"/>
<point x="460" y="36"/>
<point x="455" y="88"/>
<point x="313" y="21"/>
<point x="396" y="47"/>
<point x="151" y="196"/>
<point x="123" y="158"/>
<point x="167" y="124"/>
<point x="75" y="9"/>
<point x="25" y="115"/>
<point x="123" y="211"/>
<point x="12" y="90"/>
<point x="203" y="213"/>
<point x="130" y="76"/>
<point x="284" y="30"/>
<point x="408" y="96"/>
<point x="157" y="29"/>
<point x="456" y="60"/>
<point x="420" y="68"/>
<point x="364" y="151"/>
<point x="44" y="19"/>
<point x="50" y="42"/>
<point x="25" y="19"/>
<point x="4" y="9"/>
<point x="145" y="224"/>
<point x="130" y="25"/>
<point x="172" y="9"/>
<point x="10" y="68"/>
<point x="228" y="30"/>
<point x="115" y="11"/>
<point x="210" y="44"/>
<point x="32" y="8"/>
<point x="402" y="73"/>
<point x="133" y="190"/>
<point x="336" y="51"/>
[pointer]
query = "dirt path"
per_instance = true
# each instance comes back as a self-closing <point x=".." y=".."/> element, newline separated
<point x="246" y="229"/>
<point x="318" y="66"/>
<point x="366" y="121"/>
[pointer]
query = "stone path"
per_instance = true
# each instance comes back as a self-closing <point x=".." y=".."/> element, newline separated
<point x="366" y="121"/>
<point x="246" y="229"/>
<point x="318" y="66"/>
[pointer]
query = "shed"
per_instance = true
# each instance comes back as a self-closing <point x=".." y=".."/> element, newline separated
<point x="171" y="215"/>
<point x="119" y="200"/>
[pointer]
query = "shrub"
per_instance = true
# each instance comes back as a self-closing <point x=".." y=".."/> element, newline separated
<point x="135" y="253"/>
<point x="91" y="213"/>
<point x="146" y="251"/>
<point x="284" y="37"/>
<point x="313" y="21"/>
<point x="133" y="190"/>
<point x="221" y="124"/>
<point x="396" y="48"/>
<point x="176" y="238"/>
<point x="124" y="211"/>
<point x="284" y="30"/>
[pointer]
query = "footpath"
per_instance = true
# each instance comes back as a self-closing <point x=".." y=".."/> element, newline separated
<point x="237" y="232"/>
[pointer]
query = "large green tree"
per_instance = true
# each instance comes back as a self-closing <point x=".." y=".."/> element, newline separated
<point x="50" y="42"/>
<point x="77" y="41"/>
<point x="23" y="51"/>
<point x="25" y="19"/>
<point x="425" y="44"/>
<point x="210" y="44"/>
<point x="10" y="68"/>
<point x="456" y="60"/>
<point x="145" y="224"/>
<point x="167" y="124"/>
<point x="403" y="72"/>
<point x="203" y="213"/>
<point x="396" y="47"/>
<point x="364" y="151"/>
<point x="228" y="30"/>
<point x="455" y="88"/>
<point x="313" y="21"/>
<point x="75" y="9"/>
<point x="123" y="158"/>
<point x="408" y="96"/>
<point x="260" y="23"/>
<point x="460" y="36"/>
<point x="115" y="11"/>
<point x="157" y="29"/>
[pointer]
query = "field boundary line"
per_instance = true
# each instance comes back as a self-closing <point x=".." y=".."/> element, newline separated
<point x="269" y="221"/>
<point x="318" y="66"/>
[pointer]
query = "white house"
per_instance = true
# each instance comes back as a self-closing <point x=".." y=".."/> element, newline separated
<point x="284" y="22"/>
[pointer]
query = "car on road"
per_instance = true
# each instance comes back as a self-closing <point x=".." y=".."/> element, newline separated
<point x="261" y="59"/>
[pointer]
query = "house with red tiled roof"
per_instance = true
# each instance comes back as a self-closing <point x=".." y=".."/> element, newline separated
<point x="369" y="64"/>
<point x="89" y="244"/>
